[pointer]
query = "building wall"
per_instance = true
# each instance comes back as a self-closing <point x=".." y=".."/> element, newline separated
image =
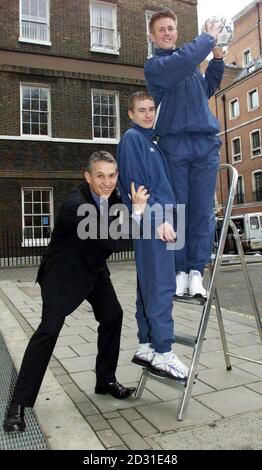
<point x="71" y="115"/>
<point x="70" y="28"/>
<point x="246" y="34"/>
<point x="71" y="70"/>
<point x="241" y="127"/>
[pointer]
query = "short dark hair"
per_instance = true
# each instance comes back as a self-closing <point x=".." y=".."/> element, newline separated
<point x="138" y="96"/>
<point x="167" y="13"/>
<point x="99" y="156"/>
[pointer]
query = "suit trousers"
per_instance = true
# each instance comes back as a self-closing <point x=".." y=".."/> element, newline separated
<point x="108" y="313"/>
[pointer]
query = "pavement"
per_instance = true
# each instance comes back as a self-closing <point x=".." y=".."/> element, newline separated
<point x="224" y="411"/>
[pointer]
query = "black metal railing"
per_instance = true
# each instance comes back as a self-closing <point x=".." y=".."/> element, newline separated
<point x="16" y="251"/>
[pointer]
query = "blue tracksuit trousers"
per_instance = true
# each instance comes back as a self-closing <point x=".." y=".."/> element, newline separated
<point x="192" y="161"/>
<point x="156" y="287"/>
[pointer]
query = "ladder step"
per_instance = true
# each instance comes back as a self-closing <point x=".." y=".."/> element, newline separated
<point x="167" y="380"/>
<point x="186" y="340"/>
<point x="186" y="299"/>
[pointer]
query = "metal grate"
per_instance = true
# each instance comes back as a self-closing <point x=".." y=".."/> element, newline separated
<point x="32" y="438"/>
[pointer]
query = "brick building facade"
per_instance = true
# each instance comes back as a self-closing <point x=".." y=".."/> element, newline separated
<point x="65" y="74"/>
<point x="238" y="106"/>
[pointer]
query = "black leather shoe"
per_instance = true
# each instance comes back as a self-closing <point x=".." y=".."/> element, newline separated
<point x="14" y="420"/>
<point x="115" y="389"/>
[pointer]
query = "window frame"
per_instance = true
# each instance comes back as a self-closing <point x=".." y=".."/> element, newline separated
<point x="117" y="42"/>
<point x="36" y="85"/>
<point x="36" y="242"/>
<point x="244" y="54"/>
<point x="231" y="108"/>
<point x="232" y="149"/>
<point x="254" y="189"/>
<point x="150" y="44"/>
<point x="115" y="93"/>
<point x="252" y="149"/>
<point x="250" y="109"/>
<point x="240" y="177"/>
<point x="30" y="40"/>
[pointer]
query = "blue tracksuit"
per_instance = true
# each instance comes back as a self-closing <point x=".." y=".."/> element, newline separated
<point x="141" y="161"/>
<point x="187" y="136"/>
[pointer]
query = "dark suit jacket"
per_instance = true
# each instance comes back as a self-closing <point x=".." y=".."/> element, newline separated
<point x="70" y="266"/>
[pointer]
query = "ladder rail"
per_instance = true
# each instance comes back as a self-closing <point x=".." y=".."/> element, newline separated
<point x="211" y="289"/>
<point x="213" y="296"/>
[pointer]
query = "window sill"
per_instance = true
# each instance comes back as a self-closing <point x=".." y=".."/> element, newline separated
<point x="104" y="51"/>
<point x="35" y="41"/>
<point x="256" y="156"/>
<point x="238" y="161"/>
<point x="105" y="141"/>
<point x="251" y="110"/>
<point x="35" y="137"/>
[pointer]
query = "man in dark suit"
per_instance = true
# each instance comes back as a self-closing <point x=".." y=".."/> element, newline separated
<point x="73" y="269"/>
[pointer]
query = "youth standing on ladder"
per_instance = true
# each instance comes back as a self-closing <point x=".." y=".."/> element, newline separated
<point x="187" y="133"/>
<point x="140" y="160"/>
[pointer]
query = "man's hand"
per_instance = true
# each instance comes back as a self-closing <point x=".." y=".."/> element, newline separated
<point x="166" y="232"/>
<point x="139" y="198"/>
<point x="212" y="27"/>
<point x="218" y="52"/>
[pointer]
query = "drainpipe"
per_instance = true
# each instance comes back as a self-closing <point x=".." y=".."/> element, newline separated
<point x="258" y="26"/>
<point x="223" y="99"/>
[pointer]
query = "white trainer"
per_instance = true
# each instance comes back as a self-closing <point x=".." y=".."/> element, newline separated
<point x="181" y="283"/>
<point x="144" y="355"/>
<point x="168" y="365"/>
<point x="195" y="285"/>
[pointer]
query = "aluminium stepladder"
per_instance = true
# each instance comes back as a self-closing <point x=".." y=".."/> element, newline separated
<point x="196" y="342"/>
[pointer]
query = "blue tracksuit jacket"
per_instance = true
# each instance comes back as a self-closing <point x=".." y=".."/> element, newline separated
<point x="187" y="137"/>
<point x="174" y="80"/>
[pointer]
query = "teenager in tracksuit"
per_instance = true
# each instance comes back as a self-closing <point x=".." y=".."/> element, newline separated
<point x="187" y="132"/>
<point x="140" y="160"/>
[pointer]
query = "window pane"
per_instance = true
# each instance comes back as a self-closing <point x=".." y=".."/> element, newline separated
<point x="36" y="196"/>
<point x="35" y="93"/>
<point x="45" y="196"/>
<point x="255" y="140"/>
<point x="42" y="9"/>
<point x="43" y="129"/>
<point x="105" y="133"/>
<point x="28" y="208"/>
<point x="26" y="117"/>
<point x="35" y="129"/>
<point x="26" y="128"/>
<point x="26" y="92"/>
<point x="104" y="122"/>
<point x="43" y="105"/>
<point x="25" y="7"/>
<point x="96" y="98"/>
<point x="37" y="233"/>
<point x="27" y="196"/>
<point x="112" y="133"/>
<point x="35" y="105"/>
<point x="104" y="99"/>
<point x="35" y="117"/>
<point x="97" y="121"/>
<point x="254" y="225"/>
<point x="28" y="221"/>
<point x="26" y="103"/>
<point x="37" y="208"/>
<point x="97" y="132"/>
<point x="43" y="118"/>
<point x="236" y="145"/>
<point x="28" y="233"/>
